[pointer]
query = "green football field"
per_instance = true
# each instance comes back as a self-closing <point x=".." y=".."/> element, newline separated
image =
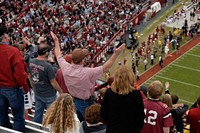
<point x="183" y="75"/>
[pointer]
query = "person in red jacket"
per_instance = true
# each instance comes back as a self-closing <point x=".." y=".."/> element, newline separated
<point x="193" y="118"/>
<point x="12" y="79"/>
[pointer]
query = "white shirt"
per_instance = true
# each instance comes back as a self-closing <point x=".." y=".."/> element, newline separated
<point x="160" y="58"/>
<point x="166" y="49"/>
<point x="152" y="57"/>
<point x="145" y="62"/>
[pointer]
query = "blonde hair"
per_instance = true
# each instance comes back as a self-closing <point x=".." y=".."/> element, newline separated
<point x="60" y="115"/>
<point x="124" y="80"/>
<point x="167" y="100"/>
<point x="155" y="89"/>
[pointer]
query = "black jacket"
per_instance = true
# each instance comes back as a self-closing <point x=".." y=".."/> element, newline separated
<point x="123" y="113"/>
<point x="177" y="115"/>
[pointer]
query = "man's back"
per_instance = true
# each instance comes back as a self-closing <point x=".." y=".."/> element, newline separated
<point x="157" y="116"/>
<point x="41" y="73"/>
<point x="12" y="70"/>
<point x="80" y="80"/>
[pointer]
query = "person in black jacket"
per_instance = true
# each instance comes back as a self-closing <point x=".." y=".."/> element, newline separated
<point x="177" y="113"/>
<point x="122" y="107"/>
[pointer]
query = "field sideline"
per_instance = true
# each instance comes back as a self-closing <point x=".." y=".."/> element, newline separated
<point x="183" y="75"/>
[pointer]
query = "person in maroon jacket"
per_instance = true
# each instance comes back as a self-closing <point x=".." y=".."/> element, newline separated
<point x="193" y="118"/>
<point x="158" y="117"/>
<point x="13" y="78"/>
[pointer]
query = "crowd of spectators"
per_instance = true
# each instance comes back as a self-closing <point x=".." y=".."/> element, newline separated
<point x="79" y="24"/>
<point x="76" y="26"/>
<point x="122" y="89"/>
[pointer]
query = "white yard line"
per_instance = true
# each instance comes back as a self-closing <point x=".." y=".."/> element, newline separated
<point x="197" y="70"/>
<point x="169" y="65"/>
<point x="178" y="81"/>
<point x="186" y="101"/>
<point x="193" y="55"/>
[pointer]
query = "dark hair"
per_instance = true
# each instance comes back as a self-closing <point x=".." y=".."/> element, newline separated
<point x="3" y="30"/>
<point x="43" y="48"/>
<point x="174" y="99"/>
<point x="144" y="90"/>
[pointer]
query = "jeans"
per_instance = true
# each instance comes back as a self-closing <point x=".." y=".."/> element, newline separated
<point x="13" y="97"/>
<point x="40" y="104"/>
<point x="81" y="105"/>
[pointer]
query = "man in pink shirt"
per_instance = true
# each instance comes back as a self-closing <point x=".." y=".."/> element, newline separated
<point x="59" y="75"/>
<point x="81" y="80"/>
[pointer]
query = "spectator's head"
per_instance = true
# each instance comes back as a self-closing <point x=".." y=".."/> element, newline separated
<point x="60" y="114"/>
<point x="43" y="49"/>
<point x="92" y="114"/>
<point x="144" y="90"/>
<point x="78" y="55"/>
<point x="124" y="80"/>
<point x="167" y="100"/>
<point x="155" y="89"/>
<point x="3" y="35"/>
<point x="174" y="99"/>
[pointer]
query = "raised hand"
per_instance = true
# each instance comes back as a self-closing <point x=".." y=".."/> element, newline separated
<point x="167" y="85"/>
<point x="119" y="49"/>
<point x="40" y="39"/>
<point x="55" y="38"/>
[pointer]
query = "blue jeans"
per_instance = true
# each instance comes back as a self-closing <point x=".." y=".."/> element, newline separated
<point x="81" y="105"/>
<point x="40" y="104"/>
<point x="13" y="97"/>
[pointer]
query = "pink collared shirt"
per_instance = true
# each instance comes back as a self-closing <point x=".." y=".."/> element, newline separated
<point x="79" y="80"/>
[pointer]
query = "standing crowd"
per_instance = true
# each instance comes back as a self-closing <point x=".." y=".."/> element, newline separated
<point x="123" y="108"/>
<point x="68" y="92"/>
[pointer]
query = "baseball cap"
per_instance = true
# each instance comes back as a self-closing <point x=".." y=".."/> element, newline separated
<point x="144" y="90"/>
<point x="78" y="55"/>
<point x="2" y="30"/>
